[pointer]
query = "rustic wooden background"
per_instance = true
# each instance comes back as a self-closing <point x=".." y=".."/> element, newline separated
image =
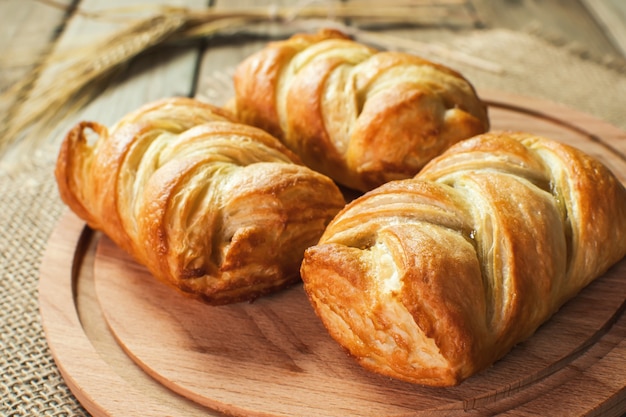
<point x="32" y="31"/>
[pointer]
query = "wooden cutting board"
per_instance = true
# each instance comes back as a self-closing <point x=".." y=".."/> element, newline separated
<point x="128" y="345"/>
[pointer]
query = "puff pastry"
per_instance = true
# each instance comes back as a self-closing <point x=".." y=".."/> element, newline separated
<point x="432" y="279"/>
<point x="360" y="116"/>
<point x="220" y="210"/>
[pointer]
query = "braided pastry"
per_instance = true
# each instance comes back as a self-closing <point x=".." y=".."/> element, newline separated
<point x="432" y="279"/>
<point x="360" y="116"/>
<point x="220" y="210"/>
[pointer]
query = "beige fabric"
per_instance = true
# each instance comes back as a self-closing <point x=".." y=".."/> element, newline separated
<point x="31" y="385"/>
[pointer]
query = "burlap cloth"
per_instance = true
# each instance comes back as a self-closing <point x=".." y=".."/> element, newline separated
<point x="30" y="207"/>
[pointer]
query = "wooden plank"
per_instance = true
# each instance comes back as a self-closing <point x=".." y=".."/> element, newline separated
<point x="219" y="60"/>
<point x="25" y="35"/>
<point x="611" y="15"/>
<point x="439" y="14"/>
<point x="569" y="21"/>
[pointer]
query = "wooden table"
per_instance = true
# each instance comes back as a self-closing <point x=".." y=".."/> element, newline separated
<point x="35" y="31"/>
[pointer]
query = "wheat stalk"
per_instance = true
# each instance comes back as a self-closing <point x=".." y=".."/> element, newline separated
<point x="37" y="111"/>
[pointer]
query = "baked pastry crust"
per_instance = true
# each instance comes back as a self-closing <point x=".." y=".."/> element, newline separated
<point x="432" y="279"/>
<point x="361" y="116"/>
<point x="220" y="210"/>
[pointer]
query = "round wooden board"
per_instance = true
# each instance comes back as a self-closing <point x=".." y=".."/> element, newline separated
<point x="127" y="345"/>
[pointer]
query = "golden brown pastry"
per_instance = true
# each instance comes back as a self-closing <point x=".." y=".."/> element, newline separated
<point x="220" y="210"/>
<point x="360" y="116"/>
<point x="432" y="279"/>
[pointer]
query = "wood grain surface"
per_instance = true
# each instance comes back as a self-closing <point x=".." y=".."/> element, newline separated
<point x="125" y="342"/>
